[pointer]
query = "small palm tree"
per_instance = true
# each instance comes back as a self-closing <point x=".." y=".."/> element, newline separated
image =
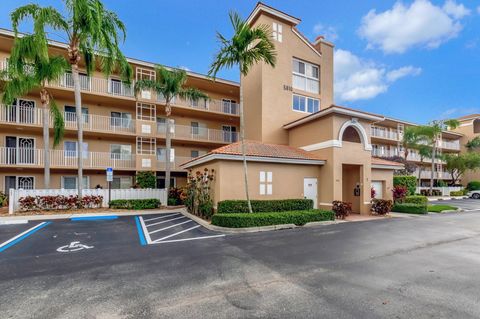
<point x="30" y="67"/>
<point x="247" y="47"/>
<point x="432" y="134"/>
<point x="409" y="140"/>
<point x="424" y="151"/>
<point x="94" y="34"/>
<point x="169" y="84"/>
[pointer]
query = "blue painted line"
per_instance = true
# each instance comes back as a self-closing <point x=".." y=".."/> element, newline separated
<point x="141" y="235"/>
<point x="19" y="239"/>
<point x="73" y="219"/>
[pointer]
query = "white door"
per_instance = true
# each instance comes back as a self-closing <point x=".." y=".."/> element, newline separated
<point x="378" y="187"/>
<point x="310" y="190"/>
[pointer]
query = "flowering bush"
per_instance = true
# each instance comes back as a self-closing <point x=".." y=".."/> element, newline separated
<point x="341" y="209"/>
<point x="399" y="193"/>
<point x="373" y="192"/>
<point x="176" y="196"/>
<point x="56" y="202"/>
<point x="381" y="206"/>
<point x="199" y="197"/>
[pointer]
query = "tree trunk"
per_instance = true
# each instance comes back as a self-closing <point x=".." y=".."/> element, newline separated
<point x="242" y="140"/>
<point x="434" y="154"/>
<point x="78" y="111"/>
<point x="420" y="173"/>
<point x="44" y="98"/>
<point x="168" y="146"/>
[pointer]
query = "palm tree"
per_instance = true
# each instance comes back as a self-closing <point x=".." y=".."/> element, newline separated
<point x="473" y="144"/>
<point x="169" y="84"/>
<point x="30" y="67"/>
<point x="94" y="34"/>
<point x="247" y="47"/>
<point x="432" y="134"/>
<point x="424" y="151"/>
<point x="409" y="140"/>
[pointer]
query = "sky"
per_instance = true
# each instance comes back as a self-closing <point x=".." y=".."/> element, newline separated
<point x="415" y="60"/>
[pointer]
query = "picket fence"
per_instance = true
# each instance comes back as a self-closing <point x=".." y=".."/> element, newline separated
<point x="445" y="190"/>
<point x="132" y="193"/>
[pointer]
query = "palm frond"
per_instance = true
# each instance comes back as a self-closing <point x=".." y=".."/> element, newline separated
<point x="58" y="122"/>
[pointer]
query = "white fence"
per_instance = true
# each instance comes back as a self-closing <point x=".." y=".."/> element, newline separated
<point x="445" y="190"/>
<point x="16" y="194"/>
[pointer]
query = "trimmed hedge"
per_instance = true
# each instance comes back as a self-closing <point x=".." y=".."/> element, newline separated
<point x="473" y="186"/>
<point x="416" y="199"/>
<point x="410" y="208"/>
<point x="457" y="193"/>
<point x="135" y="204"/>
<point x="407" y="181"/>
<point x="240" y="220"/>
<point x="264" y="206"/>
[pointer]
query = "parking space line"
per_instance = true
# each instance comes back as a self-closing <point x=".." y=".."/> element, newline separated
<point x="155" y="218"/>
<point x="177" y="233"/>
<point x="168" y="227"/>
<point x="186" y="239"/>
<point x="12" y="241"/>
<point x="145" y="231"/>
<point x="165" y="221"/>
<point x="141" y="234"/>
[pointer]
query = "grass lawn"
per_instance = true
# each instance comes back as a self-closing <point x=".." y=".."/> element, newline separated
<point x="440" y="208"/>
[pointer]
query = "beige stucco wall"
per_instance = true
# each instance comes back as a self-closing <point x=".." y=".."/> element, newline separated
<point x="466" y="128"/>
<point x="386" y="177"/>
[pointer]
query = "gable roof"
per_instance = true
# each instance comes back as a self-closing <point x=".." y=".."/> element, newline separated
<point x="262" y="7"/>
<point x="260" y="152"/>
<point x="386" y="164"/>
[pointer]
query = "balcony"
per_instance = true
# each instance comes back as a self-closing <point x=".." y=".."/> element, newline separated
<point x="174" y="165"/>
<point x="392" y="135"/>
<point x="191" y="133"/>
<point x="212" y="105"/>
<point x="426" y="174"/>
<point x="30" y="157"/>
<point x="384" y="153"/>
<point x="449" y="145"/>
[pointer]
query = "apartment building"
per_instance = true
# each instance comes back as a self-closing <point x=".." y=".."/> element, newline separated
<point x="469" y="128"/>
<point x="387" y="138"/>
<point x="121" y="130"/>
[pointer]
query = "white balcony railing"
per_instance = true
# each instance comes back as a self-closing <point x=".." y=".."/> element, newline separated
<point x="13" y="114"/>
<point x="384" y="153"/>
<point x="96" y="85"/>
<point x="99" y="123"/>
<point x="451" y="145"/>
<point x="426" y="174"/>
<point x="385" y="133"/>
<point x="199" y="133"/>
<point x="174" y="165"/>
<point x="11" y="156"/>
<point x="219" y="106"/>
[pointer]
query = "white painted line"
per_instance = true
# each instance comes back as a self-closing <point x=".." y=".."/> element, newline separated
<point x="13" y="222"/>
<point x="178" y="233"/>
<point x="169" y="215"/>
<point x="168" y="227"/>
<point x="145" y="231"/>
<point x="20" y="235"/>
<point x="186" y="239"/>
<point x="166" y="221"/>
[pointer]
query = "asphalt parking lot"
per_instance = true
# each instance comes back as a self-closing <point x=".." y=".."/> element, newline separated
<point x="468" y="204"/>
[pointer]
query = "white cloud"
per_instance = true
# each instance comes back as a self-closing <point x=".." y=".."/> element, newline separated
<point x="330" y="33"/>
<point x="359" y="79"/>
<point x="420" y="24"/>
<point x="182" y="67"/>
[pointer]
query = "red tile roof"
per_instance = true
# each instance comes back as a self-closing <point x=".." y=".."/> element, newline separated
<point x="381" y="161"/>
<point x="256" y="148"/>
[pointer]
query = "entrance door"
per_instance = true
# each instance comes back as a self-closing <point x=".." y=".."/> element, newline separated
<point x="310" y="189"/>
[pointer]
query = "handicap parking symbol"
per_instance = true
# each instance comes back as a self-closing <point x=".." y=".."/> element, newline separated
<point x="73" y="247"/>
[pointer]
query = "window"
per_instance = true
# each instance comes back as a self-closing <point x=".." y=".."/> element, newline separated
<point x="19" y="182"/>
<point x="124" y="182"/>
<point x="194" y="153"/>
<point x="195" y="128"/>
<point x="70" y="182"/>
<point x="229" y="133"/>
<point x="121" y="151"/>
<point x="71" y="115"/>
<point x="116" y="87"/>
<point x="305" y="76"/>
<point x="199" y="129"/>
<point x="162" y="125"/>
<point x="229" y="106"/>
<point x="162" y="153"/>
<point x="121" y="119"/>
<point x="277" y="32"/>
<point x="305" y="104"/>
<point x="266" y="183"/>
<point x="161" y="182"/>
<point x="70" y="149"/>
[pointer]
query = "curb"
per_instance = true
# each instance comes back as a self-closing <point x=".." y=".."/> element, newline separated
<point x="447" y="198"/>
<point x="5" y="219"/>
<point x="209" y="226"/>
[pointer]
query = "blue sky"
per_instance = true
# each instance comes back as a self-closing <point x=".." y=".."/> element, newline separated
<point x="413" y="60"/>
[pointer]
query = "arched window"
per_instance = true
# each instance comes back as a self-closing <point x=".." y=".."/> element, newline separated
<point x="351" y="135"/>
<point x="476" y="126"/>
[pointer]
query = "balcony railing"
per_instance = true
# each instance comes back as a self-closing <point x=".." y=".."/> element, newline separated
<point x="455" y="145"/>
<point x="385" y="133"/>
<point x="219" y="106"/>
<point x="12" y="156"/>
<point x="13" y="114"/>
<point x="99" y="123"/>
<point x="384" y="153"/>
<point x="174" y="165"/>
<point x="198" y="133"/>
<point x="426" y="174"/>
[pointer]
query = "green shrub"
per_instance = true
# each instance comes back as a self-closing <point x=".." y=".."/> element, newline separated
<point x="381" y="206"/>
<point x="415" y="199"/>
<point x="440" y="208"/>
<point x="146" y="179"/>
<point x="410" y="208"/>
<point x="473" y="186"/>
<point x="261" y="206"/>
<point x="135" y="204"/>
<point x="407" y="181"/>
<point x="240" y="220"/>
<point x="457" y="193"/>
